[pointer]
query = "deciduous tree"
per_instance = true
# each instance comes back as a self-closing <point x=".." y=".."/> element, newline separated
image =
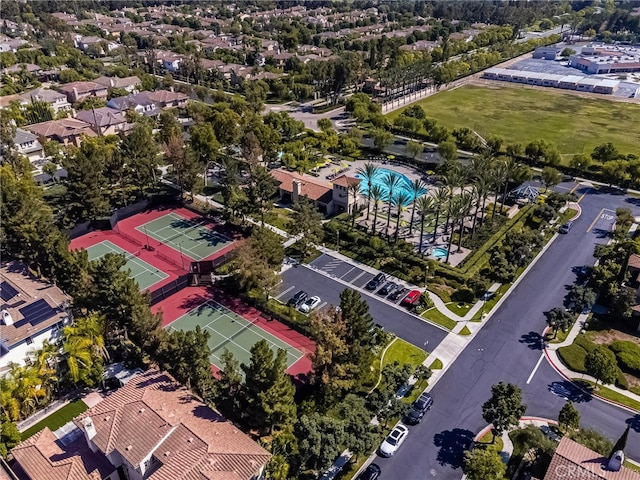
<point x="601" y="364"/>
<point x="504" y="408"/>
<point x="306" y="224"/>
<point x="483" y="464"/>
<point x="569" y="417"/>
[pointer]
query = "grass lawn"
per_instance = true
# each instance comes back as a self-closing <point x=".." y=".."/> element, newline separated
<point x="567" y="215"/>
<point x="465" y="331"/>
<point x="436" y="365"/>
<point x="57" y="419"/>
<point x="434" y="315"/>
<point x="400" y="351"/>
<point x="519" y="114"/>
<point x="560" y="337"/>
<point x="460" y="309"/>
<point x="610" y="394"/>
<point x="488" y="441"/>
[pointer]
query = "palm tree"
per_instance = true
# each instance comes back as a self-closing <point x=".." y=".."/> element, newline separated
<point x="500" y="176"/>
<point x="91" y="327"/>
<point x="466" y="200"/>
<point x="416" y="189"/>
<point x="454" y="178"/>
<point x="440" y="199"/>
<point x="483" y="186"/>
<point x="401" y="200"/>
<point x="456" y="210"/>
<point x="392" y="181"/>
<point x="9" y="403"/>
<point x="78" y="352"/>
<point x="353" y="190"/>
<point x="425" y="205"/>
<point x="368" y="173"/>
<point x="376" y="194"/>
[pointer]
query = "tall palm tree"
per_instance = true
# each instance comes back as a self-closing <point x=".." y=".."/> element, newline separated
<point x="425" y="205"/>
<point x="440" y="199"/>
<point x="401" y="200"/>
<point x="377" y="195"/>
<point x="416" y="189"/>
<point x="500" y="176"/>
<point x="484" y="184"/>
<point x="9" y="402"/>
<point x="454" y="178"/>
<point x="368" y="173"/>
<point x="353" y="190"/>
<point x="91" y="327"/>
<point x="77" y="351"/>
<point x="456" y="210"/>
<point x="466" y="200"/>
<point x="392" y="181"/>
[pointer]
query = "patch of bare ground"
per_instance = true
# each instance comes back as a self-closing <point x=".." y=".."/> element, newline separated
<point x="606" y="337"/>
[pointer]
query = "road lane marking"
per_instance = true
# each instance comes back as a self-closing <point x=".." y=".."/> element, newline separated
<point x="601" y="216"/>
<point x="284" y="292"/>
<point x="574" y="188"/>
<point x="352" y="268"/>
<point x="535" y="369"/>
<point x="353" y="282"/>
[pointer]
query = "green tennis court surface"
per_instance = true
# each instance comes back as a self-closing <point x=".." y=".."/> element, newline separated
<point x="231" y="331"/>
<point x="144" y="274"/>
<point x="186" y="236"/>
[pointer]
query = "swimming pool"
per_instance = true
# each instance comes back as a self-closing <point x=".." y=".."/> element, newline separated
<point x="439" y="252"/>
<point x="380" y="180"/>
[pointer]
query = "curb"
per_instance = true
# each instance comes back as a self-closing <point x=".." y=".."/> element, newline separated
<point x="602" y="399"/>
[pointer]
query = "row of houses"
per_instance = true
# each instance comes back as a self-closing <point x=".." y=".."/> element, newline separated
<point x="568" y="82"/>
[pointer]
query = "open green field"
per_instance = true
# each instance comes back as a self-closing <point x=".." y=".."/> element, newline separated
<point x="519" y="114"/>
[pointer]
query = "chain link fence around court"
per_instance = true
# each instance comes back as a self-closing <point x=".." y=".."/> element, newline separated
<point x="169" y="289"/>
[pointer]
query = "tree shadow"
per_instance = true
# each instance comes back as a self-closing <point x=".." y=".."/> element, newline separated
<point x="533" y="340"/>
<point x="634" y="423"/>
<point x="602" y="233"/>
<point x="452" y="444"/>
<point x="578" y="392"/>
<point x="633" y="201"/>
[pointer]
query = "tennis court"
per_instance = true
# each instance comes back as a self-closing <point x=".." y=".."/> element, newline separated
<point x="186" y="236"/>
<point x="231" y="331"/>
<point x="144" y="274"/>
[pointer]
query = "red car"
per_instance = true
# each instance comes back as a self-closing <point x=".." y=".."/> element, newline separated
<point x="412" y="297"/>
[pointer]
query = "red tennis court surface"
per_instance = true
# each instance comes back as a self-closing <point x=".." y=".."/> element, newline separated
<point x="186" y="300"/>
<point x="94" y="238"/>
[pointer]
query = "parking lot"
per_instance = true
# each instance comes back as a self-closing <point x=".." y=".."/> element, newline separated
<point x="327" y="277"/>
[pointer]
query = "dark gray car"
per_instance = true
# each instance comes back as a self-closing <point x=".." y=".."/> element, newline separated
<point x="419" y="408"/>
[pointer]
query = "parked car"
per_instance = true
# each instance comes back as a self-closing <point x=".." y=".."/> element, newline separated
<point x="376" y="281"/>
<point x="394" y="440"/>
<point x="388" y="288"/>
<point x="398" y="294"/>
<point x="298" y="298"/>
<point x="372" y="472"/>
<point x="418" y="409"/>
<point x="566" y="227"/>
<point x="412" y="297"/>
<point x="310" y="304"/>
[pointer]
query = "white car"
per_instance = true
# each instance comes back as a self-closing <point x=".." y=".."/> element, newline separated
<point x="310" y="304"/>
<point x="394" y="440"/>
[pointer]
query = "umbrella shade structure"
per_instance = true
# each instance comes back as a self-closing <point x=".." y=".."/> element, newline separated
<point x="526" y="191"/>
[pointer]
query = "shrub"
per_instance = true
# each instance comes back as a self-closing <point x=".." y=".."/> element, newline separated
<point x="463" y="294"/>
<point x="573" y="357"/>
<point x="628" y="355"/>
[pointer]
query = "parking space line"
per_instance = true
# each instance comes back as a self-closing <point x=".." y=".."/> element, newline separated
<point x="350" y="270"/>
<point x="321" y="306"/>
<point x="353" y="282"/>
<point x="285" y="292"/>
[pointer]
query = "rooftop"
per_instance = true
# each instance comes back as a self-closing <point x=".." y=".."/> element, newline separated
<point x="310" y="188"/>
<point x="34" y="305"/>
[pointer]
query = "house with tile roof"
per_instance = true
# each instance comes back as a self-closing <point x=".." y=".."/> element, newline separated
<point x="57" y="100"/>
<point x="78" y="91"/>
<point x="130" y="84"/>
<point x="105" y="120"/>
<point x="574" y="461"/>
<point x="68" y="131"/>
<point x="150" y="429"/>
<point x="330" y="198"/>
<point x="31" y="311"/>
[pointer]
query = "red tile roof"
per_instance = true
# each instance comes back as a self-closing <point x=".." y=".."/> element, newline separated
<point x="345" y="181"/>
<point x="634" y="261"/>
<point x="43" y="457"/>
<point x="573" y="461"/>
<point x="63" y="128"/>
<point x="309" y="188"/>
<point x="153" y="407"/>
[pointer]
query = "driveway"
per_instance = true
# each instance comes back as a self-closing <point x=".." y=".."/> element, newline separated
<point x="393" y="318"/>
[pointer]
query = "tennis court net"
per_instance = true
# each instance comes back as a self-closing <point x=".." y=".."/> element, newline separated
<point x="235" y="334"/>
<point x="185" y="232"/>
<point x="129" y="256"/>
<point x="135" y="241"/>
<point x="172" y="261"/>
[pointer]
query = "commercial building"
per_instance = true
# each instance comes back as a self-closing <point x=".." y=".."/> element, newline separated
<point x="568" y="82"/>
<point x="601" y="58"/>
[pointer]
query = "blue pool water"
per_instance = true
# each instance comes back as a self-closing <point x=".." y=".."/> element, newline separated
<point x="379" y="179"/>
<point x="439" y="252"/>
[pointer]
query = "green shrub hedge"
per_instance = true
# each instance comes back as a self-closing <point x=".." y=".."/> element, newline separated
<point x="573" y="357"/>
<point x="628" y="355"/>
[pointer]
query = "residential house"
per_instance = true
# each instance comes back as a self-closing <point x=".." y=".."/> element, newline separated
<point x="11" y="44"/>
<point x="57" y="100"/>
<point x="31" y="311"/>
<point x="31" y="68"/>
<point x="6" y="100"/>
<point x="150" y="429"/>
<point x="101" y="45"/>
<point x="574" y="461"/>
<point x="78" y="91"/>
<point x="105" y="120"/>
<point x="130" y="84"/>
<point x="330" y="198"/>
<point x="27" y="144"/>
<point x="141" y="103"/>
<point x="67" y="131"/>
<point x="166" y="99"/>
<point x="171" y="62"/>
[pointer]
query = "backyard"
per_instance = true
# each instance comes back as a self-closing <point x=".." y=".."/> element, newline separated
<point x="575" y="123"/>
<point x="57" y="419"/>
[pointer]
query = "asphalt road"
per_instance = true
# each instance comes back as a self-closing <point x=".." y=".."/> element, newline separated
<point x="508" y="349"/>
<point x="403" y="324"/>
